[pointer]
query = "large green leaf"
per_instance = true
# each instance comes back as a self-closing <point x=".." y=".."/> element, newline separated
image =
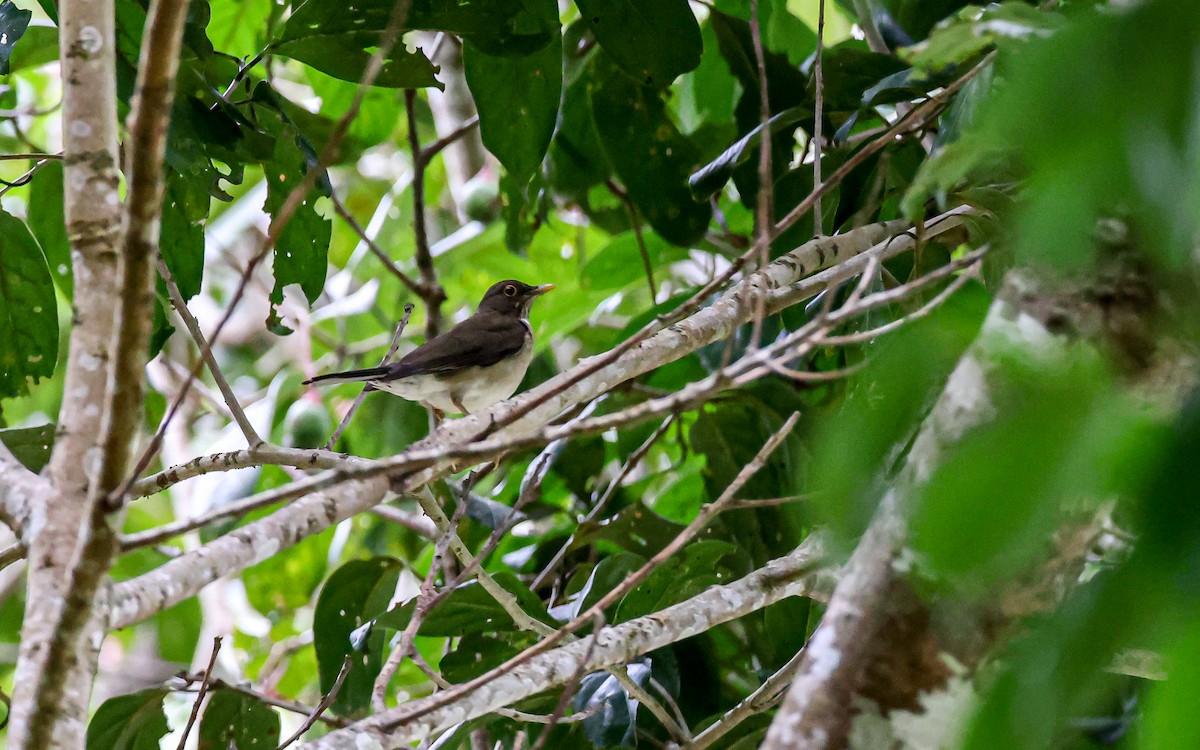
<point x="48" y="224"/>
<point x="356" y="592"/>
<point x="710" y="178"/>
<point x="28" y="313"/>
<point x="303" y="244"/>
<point x="337" y="41"/>
<point x="236" y="721"/>
<point x="517" y="99"/>
<point x="577" y="160"/>
<point x="650" y="155"/>
<point x="652" y="40"/>
<point x="185" y="208"/>
<point x="30" y="445"/>
<point x="680" y="577"/>
<point x="129" y="722"/>
<point x="13" y="22"/>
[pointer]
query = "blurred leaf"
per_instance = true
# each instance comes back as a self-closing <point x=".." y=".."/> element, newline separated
<point x="30" y="445"/>
<point x="885" y="403"/>
<point x="619" y="263"/>
<point x="654" y="41"/>
<point x="39" y="46"/>
<point x="649" y="154"/>
<point x="28" y="310"/>
<point x="517" y="99"/>
<point x="178" y="630"/>
<point x="850" y="69"/>
<point x="129" y="722"/>
<point x="13" y="22"/>
<point x="235" y="721"/>
<point x="997" y="496"/>
<point x="286" y="581"/>
<point x="48" y="224"/>
<point x="356" y="592"/>
<point x="682" y="576"/>
<point x="974" y="29"/>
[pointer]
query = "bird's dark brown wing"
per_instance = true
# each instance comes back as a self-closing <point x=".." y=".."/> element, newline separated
<point x="479" y="341"/>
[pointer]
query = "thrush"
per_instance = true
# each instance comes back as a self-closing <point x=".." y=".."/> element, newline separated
<point x="470" y="367"/>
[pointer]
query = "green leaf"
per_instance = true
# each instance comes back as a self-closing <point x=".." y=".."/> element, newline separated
<point x="974" y="30"/>
<point x="356" y="592"/>
<point x="710" y="178"/>
<point x="48" y="224"/>
<point x="677" y="579"/>
<point x="178" y="630"/>
<point x="129" y="722"/>
<point x="39" y="46"/>
<point x="650" y="155"/>
<point x="517" y="99"/>
<point x="475" y="654"/>
<point x="323" y="34"/>
<point x="619" y="263"/>
<point x="654" y="41"/>
<point x="28" y="312"/>
<point x="13" y="22"/>
<point x="345" y="56"/>
<point x="577" y="160"/>
<point x="303" y="244"/>
<point x="30" y="445"/>
<point x="185" y="209"/>
<point x="235" y="721"/>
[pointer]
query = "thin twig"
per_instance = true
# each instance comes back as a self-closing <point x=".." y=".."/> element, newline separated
<point x="635" y="223"/>
<point x="819" y="77"/>
<point x="387" y="357"/>
<point x="204" y="682"/>
<point x="764" y="208"/>
<point x="325" y="703"/>
<point x="767" y="695"/>
<point x="206" y="353"/>
<point x="440" y="144"/>
<point x="340" y="209"/>
<point x="432" y="293"/>
<point x="20" y="157"/>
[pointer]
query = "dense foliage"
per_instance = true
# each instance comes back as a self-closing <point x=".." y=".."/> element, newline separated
<point x="618" y="155"/>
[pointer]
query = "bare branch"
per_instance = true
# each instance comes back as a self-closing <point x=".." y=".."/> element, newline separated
<point x="203" y="691"/>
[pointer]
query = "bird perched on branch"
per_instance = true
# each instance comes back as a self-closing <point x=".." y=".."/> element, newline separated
<point x="470" y="367"/>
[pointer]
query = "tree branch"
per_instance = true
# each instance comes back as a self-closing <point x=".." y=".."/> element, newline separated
<point x="797" y="574"/>
<point x="92" y="212"/>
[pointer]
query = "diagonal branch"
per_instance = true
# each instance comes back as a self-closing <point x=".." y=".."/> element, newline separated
<point x="797" y="574"/>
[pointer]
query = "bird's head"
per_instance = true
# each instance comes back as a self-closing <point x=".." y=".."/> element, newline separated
<point x="511" y="297"/>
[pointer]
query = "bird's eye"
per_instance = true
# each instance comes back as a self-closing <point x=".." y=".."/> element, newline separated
<point x="510" y="291"/>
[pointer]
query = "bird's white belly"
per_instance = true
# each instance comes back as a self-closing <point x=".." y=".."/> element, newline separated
<point x="476" y="388"/>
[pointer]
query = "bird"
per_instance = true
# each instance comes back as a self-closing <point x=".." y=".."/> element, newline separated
<point x="470" y="367"/>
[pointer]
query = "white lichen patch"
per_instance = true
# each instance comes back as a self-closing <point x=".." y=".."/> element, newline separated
<point x="365" y="741"/>
<point x="80" y="128"/>
<point x="91" y="40"/>
<point x="824" y="653"/>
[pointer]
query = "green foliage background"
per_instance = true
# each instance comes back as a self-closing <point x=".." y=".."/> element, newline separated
<point x="632" y="127"/>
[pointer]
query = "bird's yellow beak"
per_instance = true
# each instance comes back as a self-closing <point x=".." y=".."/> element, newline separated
<point x="540" y="290"/>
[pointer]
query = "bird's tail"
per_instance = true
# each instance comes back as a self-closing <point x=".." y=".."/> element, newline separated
<point x="349" y="376"/>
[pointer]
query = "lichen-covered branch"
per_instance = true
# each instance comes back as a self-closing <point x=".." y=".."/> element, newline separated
<point x="797" y="574"/>
<point x="92" y="212"/>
